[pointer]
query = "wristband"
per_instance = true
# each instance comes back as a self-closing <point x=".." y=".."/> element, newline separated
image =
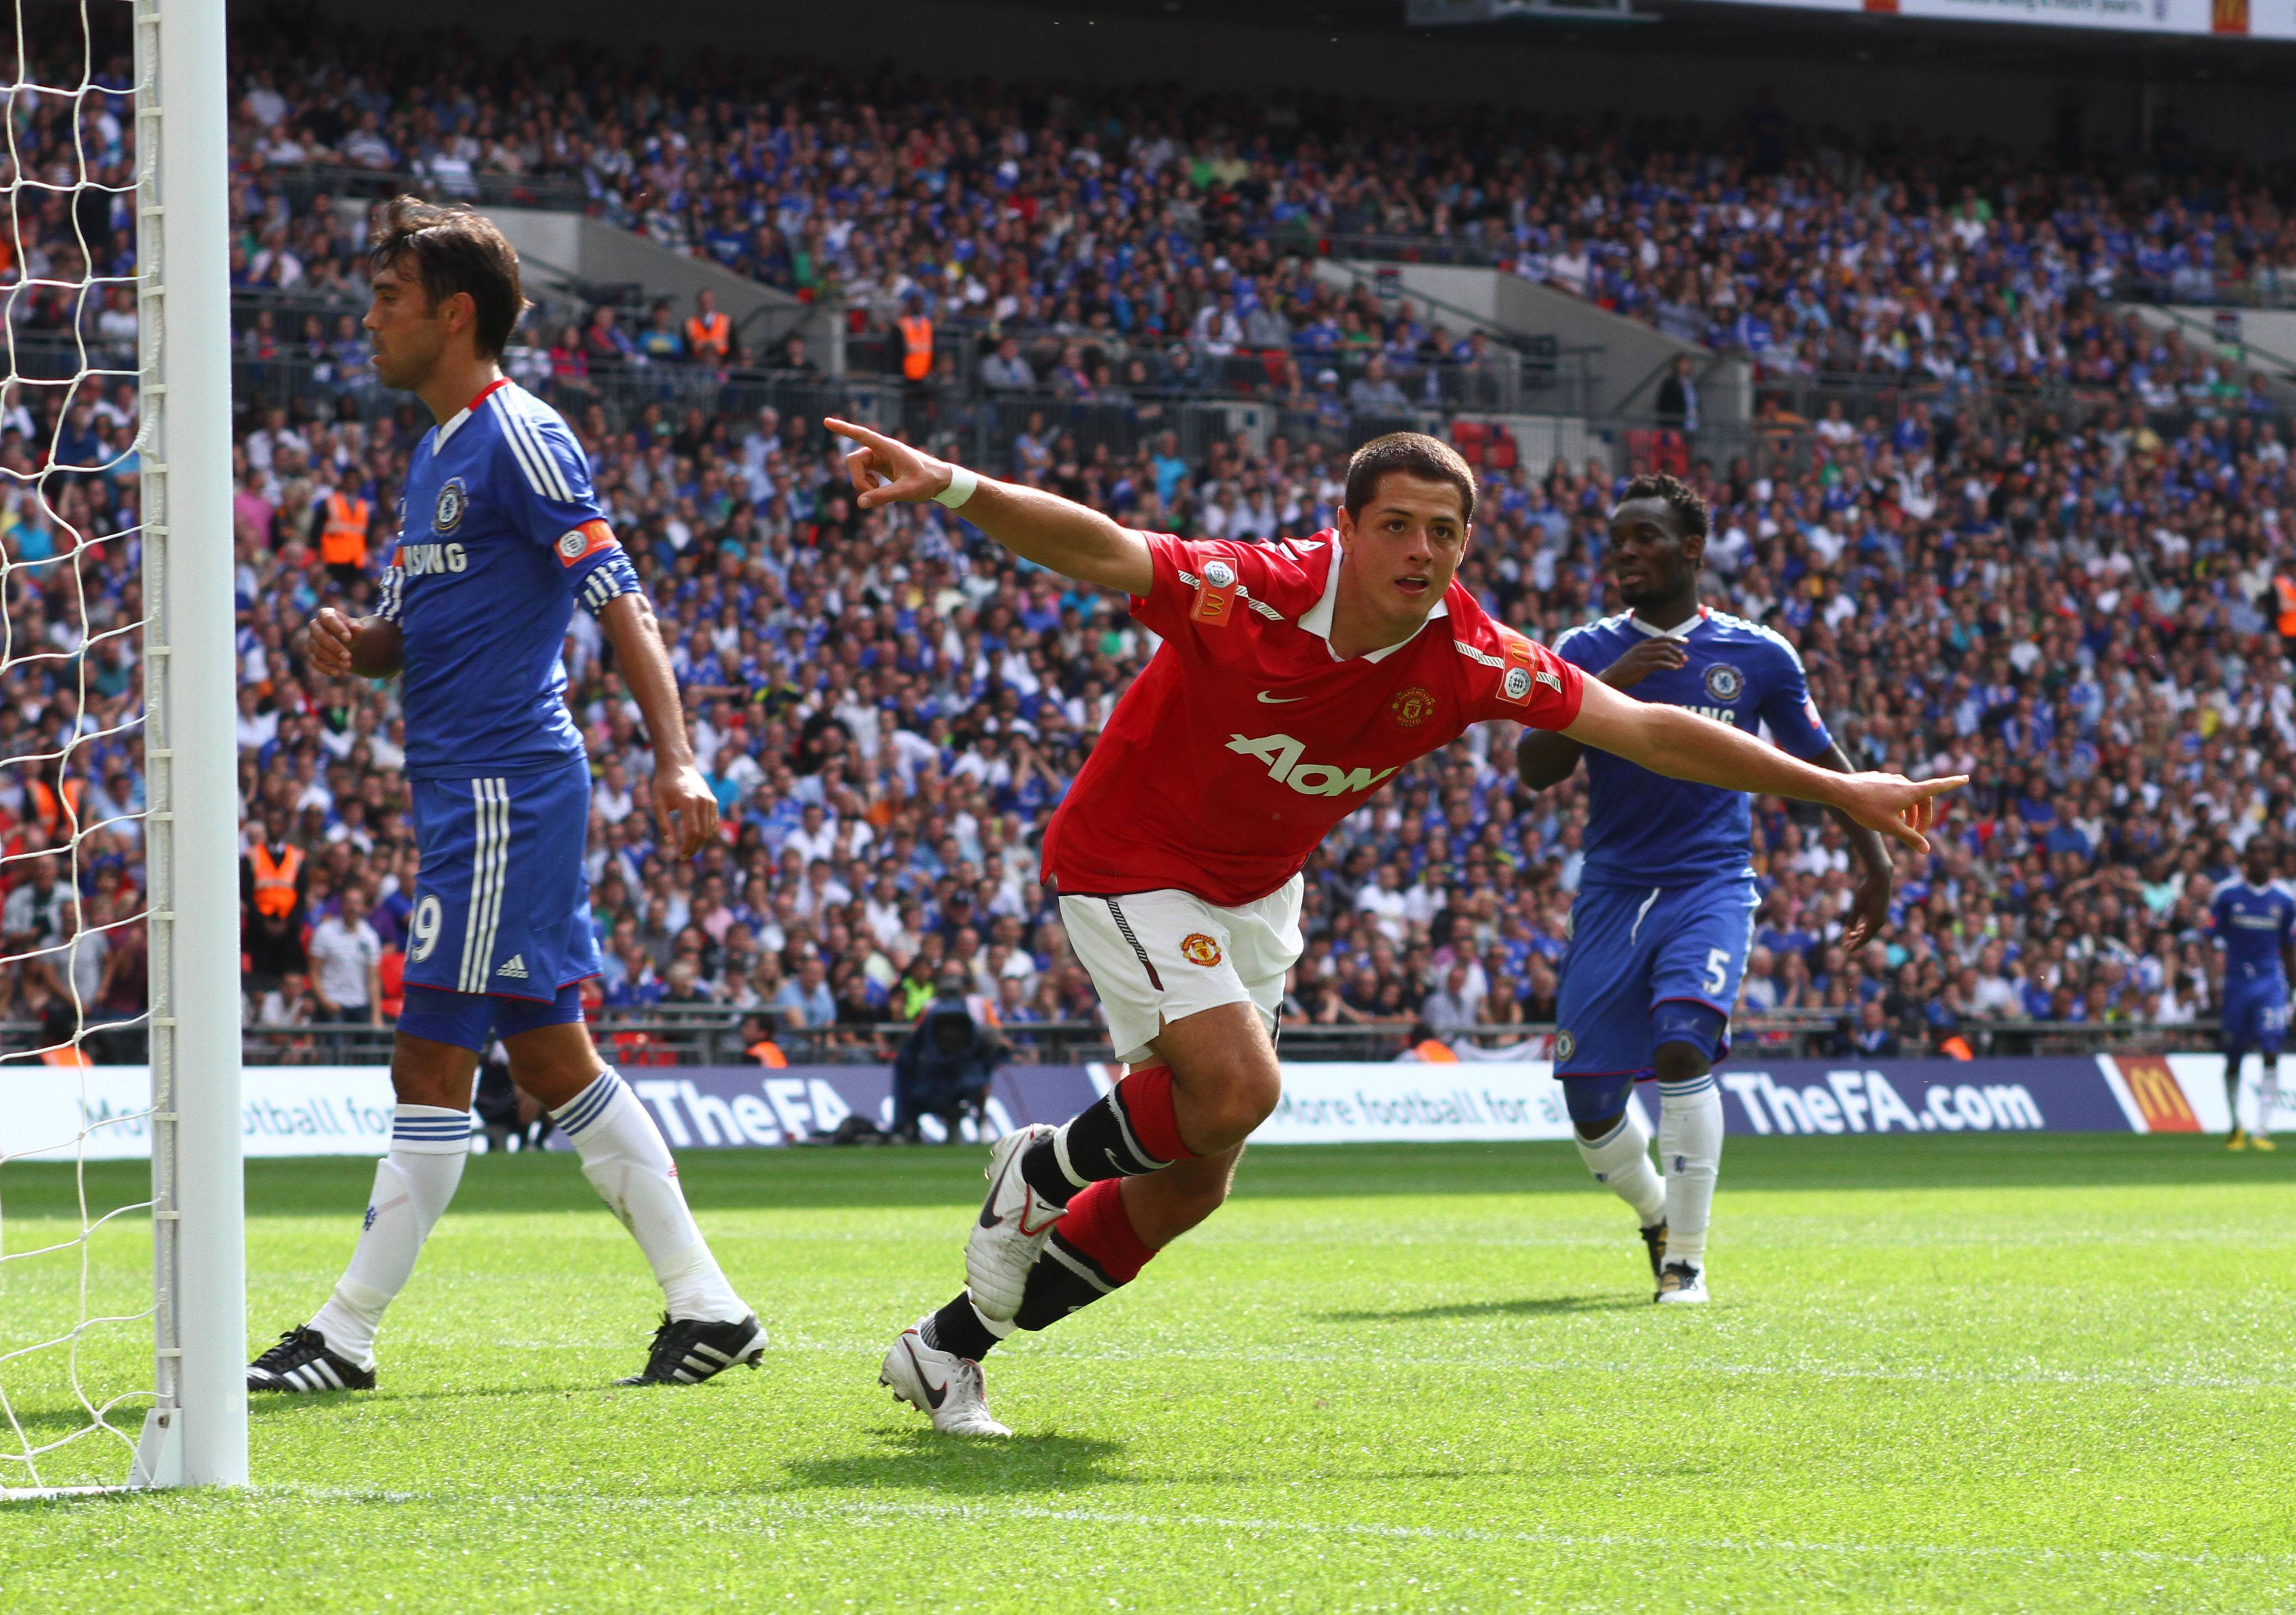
<point x="961" y="484"/>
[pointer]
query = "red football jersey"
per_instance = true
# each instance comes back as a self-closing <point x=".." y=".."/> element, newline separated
<point x="1245" y="739"/>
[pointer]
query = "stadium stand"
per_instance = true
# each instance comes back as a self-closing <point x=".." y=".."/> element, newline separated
<point x="2013" y="528"/>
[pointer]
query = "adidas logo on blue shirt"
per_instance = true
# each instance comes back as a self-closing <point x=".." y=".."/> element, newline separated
<point x="516" y="969"/>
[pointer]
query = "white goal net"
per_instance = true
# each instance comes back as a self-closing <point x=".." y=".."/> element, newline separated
<point x="107" y="809"/>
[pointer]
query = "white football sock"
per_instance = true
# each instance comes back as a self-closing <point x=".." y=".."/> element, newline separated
<point x="1690" y="1153"/>
<point x="1621" y="1159"/>
<point x="2267" y="1102"/>
<point x="626" y="1161"/>
<point x="412" y="1183"/>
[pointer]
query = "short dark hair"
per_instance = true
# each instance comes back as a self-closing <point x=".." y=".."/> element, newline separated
<point x="453" y="249"/>
<point x="1414" y="454"/>
<point x="1682" y="499"/>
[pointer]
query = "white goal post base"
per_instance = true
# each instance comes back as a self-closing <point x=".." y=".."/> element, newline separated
<point x="158" y="1451"/>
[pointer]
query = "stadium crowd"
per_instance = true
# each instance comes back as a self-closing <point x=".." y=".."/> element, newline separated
<point x="2060" y="593"/>
<point x="889" y="711"/>
<point x="1155" y="226"/>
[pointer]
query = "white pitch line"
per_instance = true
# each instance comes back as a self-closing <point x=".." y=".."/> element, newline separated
<point x="716" y="1506"/>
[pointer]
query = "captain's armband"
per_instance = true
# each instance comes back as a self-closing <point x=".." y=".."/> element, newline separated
<point x="609" y="579"/>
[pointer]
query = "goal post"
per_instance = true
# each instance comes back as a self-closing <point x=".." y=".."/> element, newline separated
<point x="196" y="1433"/>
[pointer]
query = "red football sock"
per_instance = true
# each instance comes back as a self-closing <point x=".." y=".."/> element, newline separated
<point x="1146" y="1096"/>
<point x="1126" y="1131"/>
<point x="1098" y="1225"/>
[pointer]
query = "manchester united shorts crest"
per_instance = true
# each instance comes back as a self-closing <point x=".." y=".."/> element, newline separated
<point x="502" y="905"/>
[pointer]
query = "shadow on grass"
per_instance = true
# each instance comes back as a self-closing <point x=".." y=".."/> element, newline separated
<point x="823" y="1180"/>
<point x="924" y="1460"/>
<point x="1528" y="1307"/>
<point x="265" y="1404"/>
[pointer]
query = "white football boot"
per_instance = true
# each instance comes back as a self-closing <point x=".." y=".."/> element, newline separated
<point x="949" y="1389"/>
<point x="1010" y="1234"/>
<point x="1682" y="1284"/>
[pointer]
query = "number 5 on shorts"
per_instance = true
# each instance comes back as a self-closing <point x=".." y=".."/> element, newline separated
<point x="1718" y="970"/>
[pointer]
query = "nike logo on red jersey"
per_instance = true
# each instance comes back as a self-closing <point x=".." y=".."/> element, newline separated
<point x="1279" y="701"/>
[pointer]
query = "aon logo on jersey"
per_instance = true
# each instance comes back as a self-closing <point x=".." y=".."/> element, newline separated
<point x="418" y="559"/>
<point x="1282" y="755"/>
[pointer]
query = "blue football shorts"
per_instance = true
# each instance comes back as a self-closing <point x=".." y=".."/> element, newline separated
<point x="502" y="904"/>
<point x="1636" y="950"/>
<point x="2255" y="1015"/>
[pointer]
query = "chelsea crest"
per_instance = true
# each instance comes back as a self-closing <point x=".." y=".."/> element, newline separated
<point x="448" y="515"/>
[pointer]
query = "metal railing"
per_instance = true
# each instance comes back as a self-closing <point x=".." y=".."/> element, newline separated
<point x="2268" y="289"/>
<point x="1470" y="245"/>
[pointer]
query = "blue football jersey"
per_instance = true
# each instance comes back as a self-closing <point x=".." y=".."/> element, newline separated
<point x="2253" y="924"/>
<point x="499" y="530"/>
<point x="1643" y="829"/>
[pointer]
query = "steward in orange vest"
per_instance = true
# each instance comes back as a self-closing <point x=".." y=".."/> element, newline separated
<point x="342" y="540"/>
<point x="274" y="880"/>
<point x="2283" y="595"/>
<point x="710" y="336"/>
<point x="916" y="346"/>
<point x="57" y="811"/>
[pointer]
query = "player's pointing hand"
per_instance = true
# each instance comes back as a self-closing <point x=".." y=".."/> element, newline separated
<point x="329" y="642"/>
<point x="1895" y="806"/>
<point x="886" y="470"/>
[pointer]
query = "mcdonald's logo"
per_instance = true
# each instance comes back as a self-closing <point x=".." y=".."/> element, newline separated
<point x="2157" y="1094"/>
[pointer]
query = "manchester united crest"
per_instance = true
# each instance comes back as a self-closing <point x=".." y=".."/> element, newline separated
<point x="452" y="497"/>
<point x="1198" y="949"/>
<point x="1411" y="707"/>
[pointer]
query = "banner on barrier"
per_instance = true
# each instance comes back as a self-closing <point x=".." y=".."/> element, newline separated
<point x="1407" y="1101"/>
<point x="344" y="1110"/>
<point x="290" y="1110"/>
<point x="747" y="1106"/>
<point x="2185" y="1094"/>
<point x="1837" y="1096"/>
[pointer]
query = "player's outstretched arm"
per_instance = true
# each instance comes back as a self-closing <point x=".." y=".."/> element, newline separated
<point x="1072" y="539"/>
<point x="685" y="810"/>
<point x="372" y="647"/>
<point x="1683" y="746"/>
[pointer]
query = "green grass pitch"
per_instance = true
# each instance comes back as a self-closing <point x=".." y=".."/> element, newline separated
<point x="1972" y="1373"/>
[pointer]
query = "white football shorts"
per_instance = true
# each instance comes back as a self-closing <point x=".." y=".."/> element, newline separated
<point x="1161" y="956"/>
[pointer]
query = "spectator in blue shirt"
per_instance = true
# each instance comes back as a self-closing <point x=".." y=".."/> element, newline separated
<point x="804" y="999"/>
